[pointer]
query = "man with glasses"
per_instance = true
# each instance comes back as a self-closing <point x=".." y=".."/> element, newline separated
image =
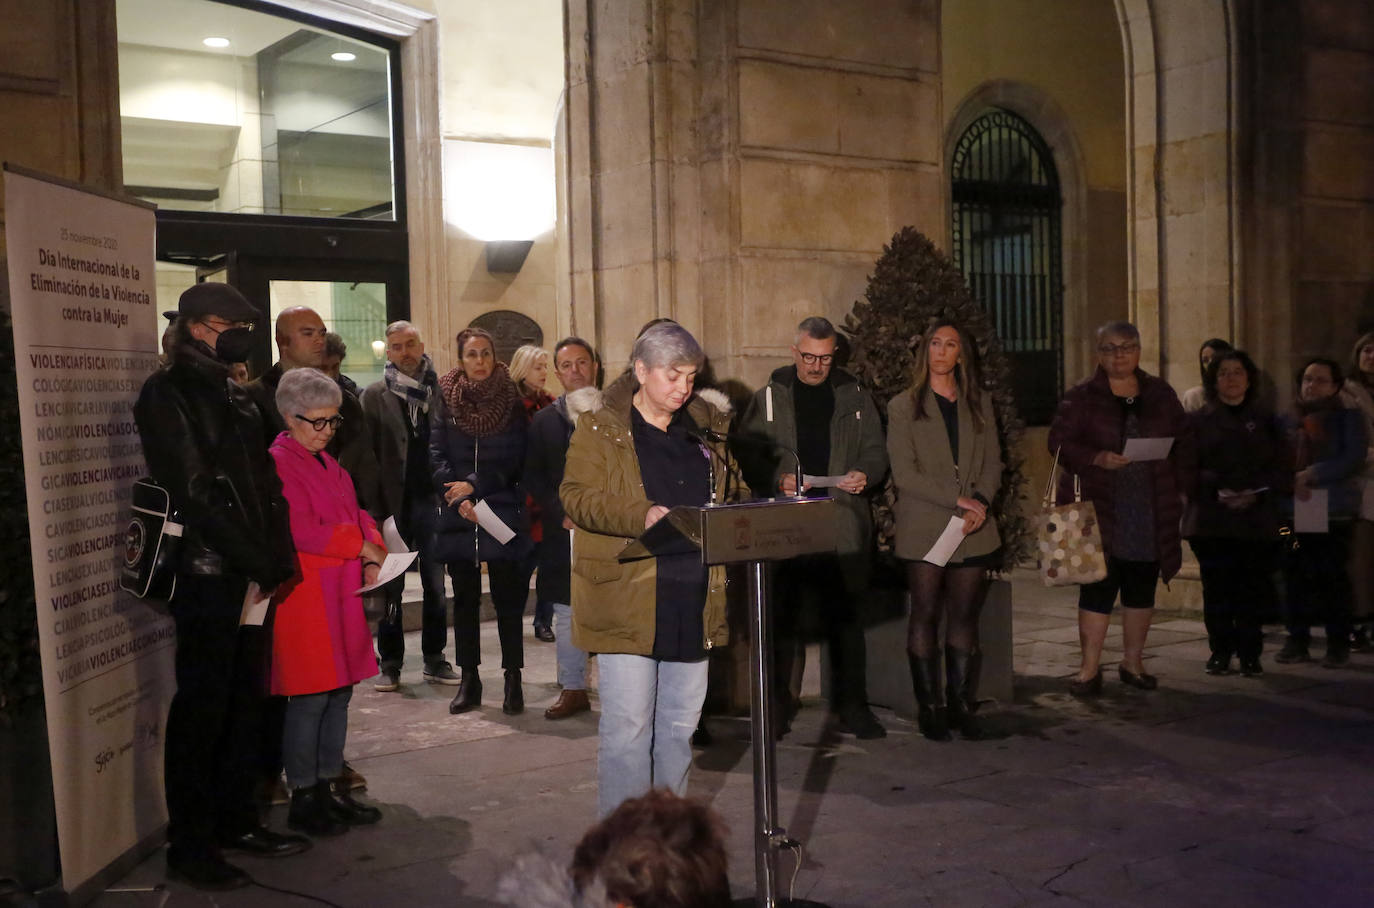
<point x="832" y="424"/>
<point x="397" y="413"/>
<point x="205" y="442"/>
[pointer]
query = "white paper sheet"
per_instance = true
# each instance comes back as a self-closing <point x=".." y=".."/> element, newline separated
<point x="949" y="541"/>
<point x="393" y="566"/>
<point x="1138" y="449"/>
<point x="254" y="611"/>
<point x="1310" y="516"/>
<point x="487" y="520"/>
<point x="392" y="537"/>
<point x="821" y="482"/>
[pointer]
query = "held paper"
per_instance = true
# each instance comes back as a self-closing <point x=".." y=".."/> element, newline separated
<point x="393" y="566"/>
<point x="1310" y="516"/>
<point x="392" y="537"/>
<point x="487" y="520"/>
<point x="949" y="541"/>
<point x="821" y="482"/>
<point x="1140" y="449"/>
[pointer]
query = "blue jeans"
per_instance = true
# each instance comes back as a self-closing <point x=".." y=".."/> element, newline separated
<point x="572" y="662"/>
<point x="649" y="709"/>
<point x="313" y="736"/>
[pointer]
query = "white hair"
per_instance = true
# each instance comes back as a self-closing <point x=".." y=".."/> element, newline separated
<point x="306" y="389"/>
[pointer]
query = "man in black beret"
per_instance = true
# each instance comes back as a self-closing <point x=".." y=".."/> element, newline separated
<point x="205" y="442"/>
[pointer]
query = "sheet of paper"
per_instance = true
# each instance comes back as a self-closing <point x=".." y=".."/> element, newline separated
<point x="1139" y="449"/>
<point x="1310" y="516"/>
<point x="254" y="611"/>
<point x="821" y="482"/>
<point x="949" y="541"/>
<point x="487" y="520"/>
<point x="392" y="537"/>
<point x="393" y="566"/>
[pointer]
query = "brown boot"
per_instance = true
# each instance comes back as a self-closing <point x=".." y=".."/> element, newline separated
<point x="569" y="703"/>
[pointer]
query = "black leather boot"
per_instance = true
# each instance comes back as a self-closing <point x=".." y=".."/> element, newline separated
<point x="469" y="694"/>
<point x="343" y="808"/>
<point x="514" y="704"/>
<point x="310" y="812"/>
<point x="961" y="691"/>
<point x="925" y="681"/>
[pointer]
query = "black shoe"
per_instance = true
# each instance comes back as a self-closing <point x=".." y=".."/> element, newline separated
<point x="1142" y="681"/>
<point x="265" y="843"/>
<point x="860" y="722"/>
<point x="1089" y="688"/>
<point x="1294" y="650"/>
<point x="544" y="632"/>
<point x="205" y="871"/>
<point x="925" y="683"/>
<point x="1250" y="667"/>
<point x="469" y="694"/>
<point x="1360" y="640"/>
<point x="514" y="702"/>
<point x="1219" y="664"/>
<point x="310" y="812"/>
<point x="346" y="810"/>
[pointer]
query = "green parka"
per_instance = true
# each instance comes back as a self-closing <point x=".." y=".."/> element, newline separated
<point x="613" y="604"/>
<point x="856" y="443"/>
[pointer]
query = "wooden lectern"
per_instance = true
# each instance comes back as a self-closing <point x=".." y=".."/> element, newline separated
<point x="754" y="532"/>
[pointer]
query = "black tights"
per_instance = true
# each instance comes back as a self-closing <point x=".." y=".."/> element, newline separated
<point x="955" y="592"/>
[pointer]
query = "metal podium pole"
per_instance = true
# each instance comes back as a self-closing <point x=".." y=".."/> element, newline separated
<point x="769" y="837"/>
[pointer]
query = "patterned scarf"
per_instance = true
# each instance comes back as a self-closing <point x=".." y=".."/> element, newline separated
<point x="416" y="392"/>
<point x="479" y="408"/>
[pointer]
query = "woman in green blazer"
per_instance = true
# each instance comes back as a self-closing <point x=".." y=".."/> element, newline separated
<point x="946" y="462"/>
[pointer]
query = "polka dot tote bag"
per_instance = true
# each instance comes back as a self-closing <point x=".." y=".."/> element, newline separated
<point x="1068" y="538"/>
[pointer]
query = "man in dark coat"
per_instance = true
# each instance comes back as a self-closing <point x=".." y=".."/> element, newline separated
<point x="205" y="442"/>
<point x="574" y="364"/>
<point x="397" y="412"/>
<point x="831" y="422"/>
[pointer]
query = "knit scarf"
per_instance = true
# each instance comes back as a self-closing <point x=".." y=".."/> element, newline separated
<point x="479" y="408"/>
<point x="416" y="392"/>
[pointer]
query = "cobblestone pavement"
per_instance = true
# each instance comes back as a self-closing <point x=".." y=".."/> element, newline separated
<point x="1209" y="791"/>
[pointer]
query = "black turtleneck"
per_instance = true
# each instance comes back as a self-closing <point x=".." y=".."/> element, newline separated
<point x="814" y="407"/>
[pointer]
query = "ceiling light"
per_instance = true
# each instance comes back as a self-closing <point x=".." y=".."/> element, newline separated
<point x="343" y="56"/>
<point x="216" y="42"/>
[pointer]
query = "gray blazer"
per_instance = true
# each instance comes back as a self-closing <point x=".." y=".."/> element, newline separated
<point x="386" y="426"/>
<point x="928" y="485"/>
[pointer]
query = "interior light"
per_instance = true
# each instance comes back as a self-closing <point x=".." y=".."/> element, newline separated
<point x="216" y="42"/>
<point x="343" y="56"/>
<point x="379" y="349"/>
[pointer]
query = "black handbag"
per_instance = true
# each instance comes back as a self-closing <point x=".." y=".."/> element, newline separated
<point x="151" y="543"/>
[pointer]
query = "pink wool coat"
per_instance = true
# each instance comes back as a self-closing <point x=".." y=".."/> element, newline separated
<point x="320" y="637"/>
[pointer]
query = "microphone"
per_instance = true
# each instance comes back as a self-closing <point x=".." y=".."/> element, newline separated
<point x="760" y="441"/>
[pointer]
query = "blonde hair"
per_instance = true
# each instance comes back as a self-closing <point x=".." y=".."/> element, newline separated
<point x="523" y="362"/>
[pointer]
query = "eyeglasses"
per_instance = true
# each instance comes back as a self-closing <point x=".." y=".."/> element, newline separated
<point x="1117" y="349"/>
<point x="319" y="425"/>
<point x="812" y="358"/>
<point x="227" y="325"/>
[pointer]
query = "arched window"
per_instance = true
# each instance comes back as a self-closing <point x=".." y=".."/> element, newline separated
<point x="1006" y="241"/>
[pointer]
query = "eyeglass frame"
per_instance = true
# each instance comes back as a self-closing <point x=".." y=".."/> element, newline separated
<point x="319" y="425"/>
<point x="811" y="359"/>
<point x="1119" y="349"/>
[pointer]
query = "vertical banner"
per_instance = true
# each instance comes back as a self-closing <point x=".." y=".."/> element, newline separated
<point x="82" y="294"/>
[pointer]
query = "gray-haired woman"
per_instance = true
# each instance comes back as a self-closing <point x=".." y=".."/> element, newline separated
<point x="321" y="643"/>
<point x="635" y="454"/>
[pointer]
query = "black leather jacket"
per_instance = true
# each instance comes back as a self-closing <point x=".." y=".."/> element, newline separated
<point x="205" y="441"/>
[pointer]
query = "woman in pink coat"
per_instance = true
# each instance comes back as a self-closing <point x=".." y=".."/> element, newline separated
<point x="321" y="643"/>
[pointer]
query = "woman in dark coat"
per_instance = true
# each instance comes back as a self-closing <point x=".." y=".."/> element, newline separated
<point x="1232" y="518"/>
<point x="477" y="450"/>
<point x="1138" y="504"/>
<point x="1329" y="447"/>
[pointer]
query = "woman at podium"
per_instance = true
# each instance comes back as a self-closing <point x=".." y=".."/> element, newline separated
<point x="639" y="450"/>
